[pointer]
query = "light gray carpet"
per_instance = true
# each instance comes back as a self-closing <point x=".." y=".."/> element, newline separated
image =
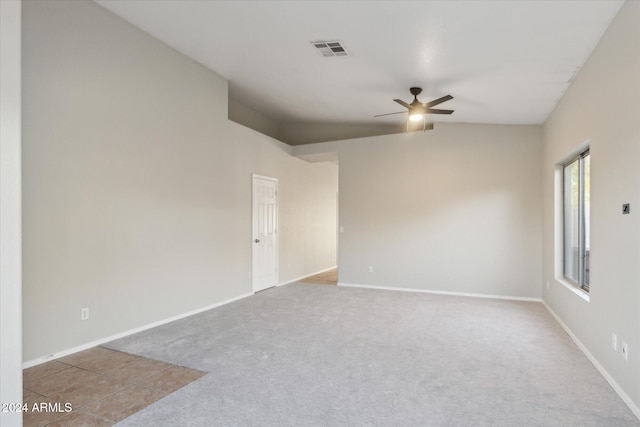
<point x="315" y="355"/>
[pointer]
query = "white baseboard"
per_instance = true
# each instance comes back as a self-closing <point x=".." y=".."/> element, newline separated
<point x="95" y="343"/>
<point x="306" y="275"/>
<point x="427" y="291"/>
<point x="624" y="396"/>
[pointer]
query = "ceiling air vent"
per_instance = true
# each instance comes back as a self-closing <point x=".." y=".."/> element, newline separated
<point x="327" y="49"/>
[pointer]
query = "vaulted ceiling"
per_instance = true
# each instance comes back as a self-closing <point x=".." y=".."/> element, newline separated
<point x="505" y="62"/>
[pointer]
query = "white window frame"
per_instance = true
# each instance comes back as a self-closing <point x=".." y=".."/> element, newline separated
<point x="559" y="237"/>
<point x="583" y="251"/>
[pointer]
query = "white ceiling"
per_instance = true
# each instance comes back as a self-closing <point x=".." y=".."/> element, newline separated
<point x="503" y="61"/>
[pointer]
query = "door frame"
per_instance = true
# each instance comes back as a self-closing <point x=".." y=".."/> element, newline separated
<point x="254" y="231"/>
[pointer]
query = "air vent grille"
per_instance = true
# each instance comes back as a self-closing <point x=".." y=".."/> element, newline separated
<point x="330" y="48"/>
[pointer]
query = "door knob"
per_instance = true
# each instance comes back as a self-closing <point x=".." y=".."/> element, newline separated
<point x="257" y="240"/>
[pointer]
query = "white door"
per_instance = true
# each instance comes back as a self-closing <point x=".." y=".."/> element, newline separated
<point x="265" y="232"/>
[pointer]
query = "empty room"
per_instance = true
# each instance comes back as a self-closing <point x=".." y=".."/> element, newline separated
<point x="320" y="213"/>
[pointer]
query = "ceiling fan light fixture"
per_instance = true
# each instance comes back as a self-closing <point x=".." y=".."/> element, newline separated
<point x="418" y="111"/>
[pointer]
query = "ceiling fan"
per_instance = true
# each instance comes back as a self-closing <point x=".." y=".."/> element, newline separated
<point x="418" y="111"/>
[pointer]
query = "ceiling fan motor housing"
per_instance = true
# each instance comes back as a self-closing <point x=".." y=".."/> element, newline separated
<point x="417" y="107"/>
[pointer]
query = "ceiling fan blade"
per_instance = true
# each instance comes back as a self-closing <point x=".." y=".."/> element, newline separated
<point x="438" y="101"/>
<point x="401" y="102"/>
<point x="388" y="114"/>
<point x="438" y="111"/>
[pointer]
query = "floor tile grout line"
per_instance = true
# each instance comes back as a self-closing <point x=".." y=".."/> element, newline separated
<point x="164" y="394"/>
<point x="126" y="383"/>
<point x="91" y="415"/>
<point x="109" y="375"/>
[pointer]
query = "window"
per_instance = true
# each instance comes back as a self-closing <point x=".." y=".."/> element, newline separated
<point x="576" y="207"/>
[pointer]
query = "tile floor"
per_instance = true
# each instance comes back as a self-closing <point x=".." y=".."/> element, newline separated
<point x="100" y="387"/>
<point x="327" y="278"/>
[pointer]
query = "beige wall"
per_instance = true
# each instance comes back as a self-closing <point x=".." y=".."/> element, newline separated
<point x="242" y="114"/>
<point x="137" y="189"/>
<point x="455" y="209"/>
<point x="602" y="106"/>
<point x="310" y="133"/>
<point x="10" y="212"/>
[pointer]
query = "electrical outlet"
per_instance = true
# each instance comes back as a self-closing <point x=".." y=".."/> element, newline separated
<point x="547" y="285"/>
<point x="625" y="351"/>
<point x="84" y="314"/>
<point x="370" y="269"/>
<point x="614" y="342"/>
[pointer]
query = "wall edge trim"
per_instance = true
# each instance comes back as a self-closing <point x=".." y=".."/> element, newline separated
<point x="616" y="387"/>
<point x="59" y="354"/>
<point x="428" y="291"/>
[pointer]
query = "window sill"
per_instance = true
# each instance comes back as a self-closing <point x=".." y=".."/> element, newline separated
<point x="582" y="294"/>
